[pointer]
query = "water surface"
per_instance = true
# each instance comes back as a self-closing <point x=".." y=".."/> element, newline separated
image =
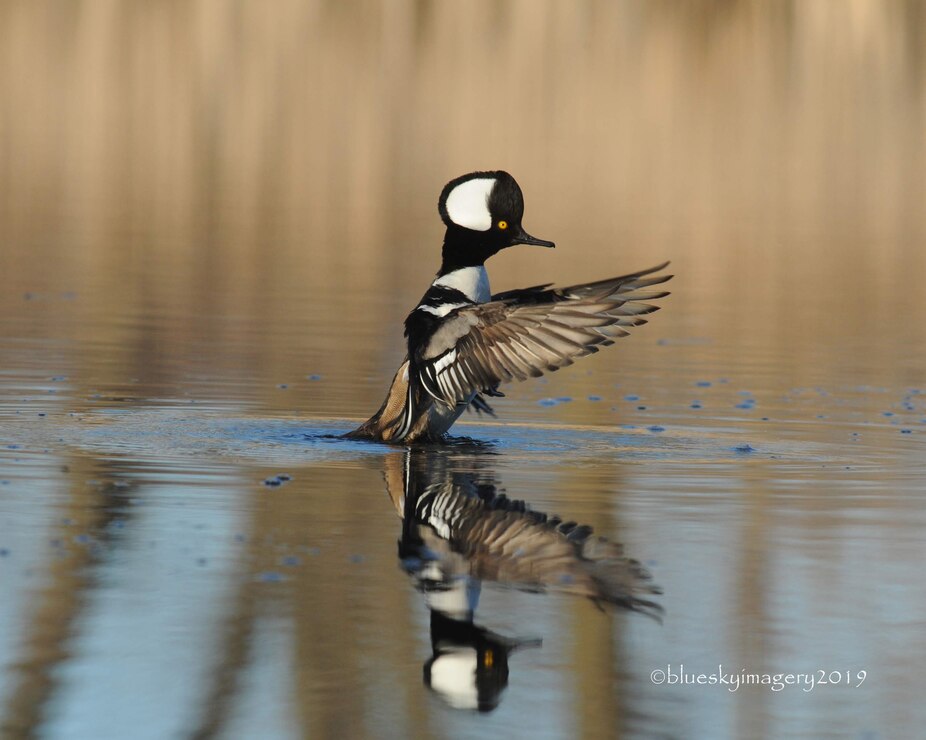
<point x="213" y="221"/>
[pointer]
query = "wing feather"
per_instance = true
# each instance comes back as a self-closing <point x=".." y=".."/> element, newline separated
<point x="525" y="333"/>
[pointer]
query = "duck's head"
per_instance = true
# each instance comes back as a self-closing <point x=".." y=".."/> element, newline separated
<point x="483" y="211"/>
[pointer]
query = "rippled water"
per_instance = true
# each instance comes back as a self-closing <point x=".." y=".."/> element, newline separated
<point x="213" y="222"/>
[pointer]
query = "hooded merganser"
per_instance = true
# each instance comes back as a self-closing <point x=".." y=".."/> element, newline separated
<point x="463" y="341"/>
<point x="459" y="530"/>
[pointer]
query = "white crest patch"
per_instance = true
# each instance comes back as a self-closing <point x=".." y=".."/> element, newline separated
<point x="468" y="204"/>
<point x="453" y="676"/>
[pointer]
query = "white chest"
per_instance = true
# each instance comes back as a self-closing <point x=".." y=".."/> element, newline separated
<point x="473" y="282"/>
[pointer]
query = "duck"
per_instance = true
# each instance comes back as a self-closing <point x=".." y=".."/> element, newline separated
<point x="460" y="530"/>
<point x="463" y="342"/>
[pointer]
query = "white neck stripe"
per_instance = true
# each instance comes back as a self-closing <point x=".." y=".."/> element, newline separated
<point x="443" y="309"/>
<point x="473" y="282"/>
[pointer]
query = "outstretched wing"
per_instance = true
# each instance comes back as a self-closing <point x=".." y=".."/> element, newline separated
<point x="525" y="333"/>
<point x="469" y="528"/>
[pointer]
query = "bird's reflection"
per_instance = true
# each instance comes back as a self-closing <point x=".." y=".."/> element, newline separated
<point x="459" y="530"/>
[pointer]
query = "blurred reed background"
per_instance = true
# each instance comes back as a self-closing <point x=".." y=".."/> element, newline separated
<point x="217" y="158"/>
<point x="210" y="199"/>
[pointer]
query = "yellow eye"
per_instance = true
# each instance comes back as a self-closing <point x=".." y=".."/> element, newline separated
<point x="503" y="225"/>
